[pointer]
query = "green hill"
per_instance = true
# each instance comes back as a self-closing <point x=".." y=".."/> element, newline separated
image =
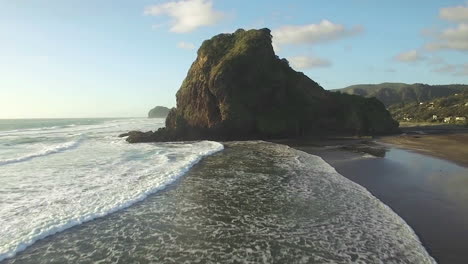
<point x="402" y="93"/>
<point x="444" y="109"/>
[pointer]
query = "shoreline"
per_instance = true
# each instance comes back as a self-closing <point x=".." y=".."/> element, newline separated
<point x="447" y="142"/>
<point x="427" y="191"/>
<point x="254" y="201"/>
<point x="450" y="147"/>
<point x="420" y="209"/>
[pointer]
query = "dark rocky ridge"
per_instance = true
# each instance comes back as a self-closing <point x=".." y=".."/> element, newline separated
<point x="237" y="88"/>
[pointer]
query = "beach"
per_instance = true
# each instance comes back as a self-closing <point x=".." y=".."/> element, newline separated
<point x="427" y="188"/>
<point x="228" y="202"/>
<point x="446" y="142"/>
<point x="253" y="202"/>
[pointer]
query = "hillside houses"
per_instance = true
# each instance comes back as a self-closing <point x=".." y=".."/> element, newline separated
<point x="455" y="119"/>
<point x="450" y="110"/>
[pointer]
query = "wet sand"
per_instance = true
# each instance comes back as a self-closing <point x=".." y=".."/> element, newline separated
<point x="453" y="147"/>
<point x="429" y="193"/>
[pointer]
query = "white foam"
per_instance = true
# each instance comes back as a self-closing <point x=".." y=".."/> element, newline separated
<point x="48" y="150"/>
<point x="46" y="195"/>
<point x="359" y="202"/>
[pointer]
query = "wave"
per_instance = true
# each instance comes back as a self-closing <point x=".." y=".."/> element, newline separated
<point x="53" y="130"/>
<point x="343" y="216"/>
<point x="8" y="132"/>
<point x="59" y="225"/>
<point x="44" y="152"/>
<point x="338" y="219"/>
<point x="363" y="203"/>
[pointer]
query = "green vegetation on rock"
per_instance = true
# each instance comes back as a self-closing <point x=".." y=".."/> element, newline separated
<point x="158" y="112"/>
<point x="237" y="88"/>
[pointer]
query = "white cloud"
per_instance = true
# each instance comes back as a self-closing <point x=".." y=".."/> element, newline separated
<point x="312" y="33"/>
<point x="463" y="71"/>
<point x="455" y="13"/>
<point x="276" y="48"/>
<point x="454" y="37"/>
<point x="453" y="69"/>
<point x="447" y="68"/>
<point x="157" y="26"/>
<point x="436" y="60"/>
<point x="308" y="62"/>
<point x="409" y="56"/>
<point x="186" y="45"/>
<point x="187" y="15"/>
<point x="451" y="38"/>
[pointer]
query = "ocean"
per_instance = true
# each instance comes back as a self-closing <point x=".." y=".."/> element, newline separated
<point x="71" y="191"/>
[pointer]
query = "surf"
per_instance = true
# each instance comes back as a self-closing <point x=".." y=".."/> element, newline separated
<point x="66" y="184"/>
<point x="48" y="150"/>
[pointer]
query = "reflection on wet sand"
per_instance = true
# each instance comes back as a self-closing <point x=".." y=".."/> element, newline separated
<point x="431" y="194"/>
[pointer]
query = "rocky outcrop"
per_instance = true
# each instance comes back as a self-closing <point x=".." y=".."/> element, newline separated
<point x="237" y="88"/>
<point x="158" y="112"/>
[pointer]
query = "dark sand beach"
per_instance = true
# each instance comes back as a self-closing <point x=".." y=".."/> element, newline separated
<point x="446" y="142"/>
<point x="429" y="193"/>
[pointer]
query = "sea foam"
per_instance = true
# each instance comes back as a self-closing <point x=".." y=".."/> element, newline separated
<point x="48" y="150"/>
<point x="42" y="194"/>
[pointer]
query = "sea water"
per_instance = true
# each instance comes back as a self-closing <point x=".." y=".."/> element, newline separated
<point x="254" y="202"/>
<point x="58" y="173"/>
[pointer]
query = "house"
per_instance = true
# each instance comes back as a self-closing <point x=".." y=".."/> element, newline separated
<point x="447" y="119"/>
<point x="434" y="117"/>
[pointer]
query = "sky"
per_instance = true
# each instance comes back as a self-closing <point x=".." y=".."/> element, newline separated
<point x="120" y="58"/>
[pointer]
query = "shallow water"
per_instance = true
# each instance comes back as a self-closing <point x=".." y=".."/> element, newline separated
<point x="431" y="194"/>
<point x="255" y="202"/>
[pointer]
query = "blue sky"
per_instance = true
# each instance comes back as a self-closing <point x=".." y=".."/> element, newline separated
<point x="70" y="58"/>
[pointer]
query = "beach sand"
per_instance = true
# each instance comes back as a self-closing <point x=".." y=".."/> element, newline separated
<point x="429" y="193"/>
<point x="453" y="147"/>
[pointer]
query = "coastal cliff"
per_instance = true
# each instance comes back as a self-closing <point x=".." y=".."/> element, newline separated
<point x="237" y="88"/>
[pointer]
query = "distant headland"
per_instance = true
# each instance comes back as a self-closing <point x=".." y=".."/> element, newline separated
<point x="158" y="112"/>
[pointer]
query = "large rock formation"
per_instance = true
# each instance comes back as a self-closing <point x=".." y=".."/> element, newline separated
<point x="158" y="112"/>
<point x="237" y="88"/>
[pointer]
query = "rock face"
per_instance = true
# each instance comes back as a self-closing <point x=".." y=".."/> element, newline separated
<point x="158" y="112"/>
<point x="237" y="88"/>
